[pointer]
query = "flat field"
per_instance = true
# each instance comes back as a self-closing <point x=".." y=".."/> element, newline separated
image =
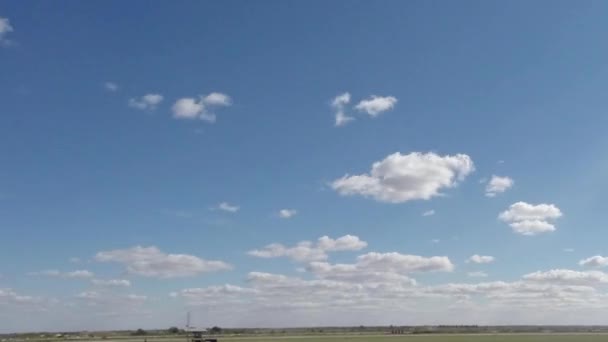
<point x="413" y="338"/>
<point x="435" y="338"/>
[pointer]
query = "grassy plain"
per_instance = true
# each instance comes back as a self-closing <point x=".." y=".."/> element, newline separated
<point x="412" y="338"/>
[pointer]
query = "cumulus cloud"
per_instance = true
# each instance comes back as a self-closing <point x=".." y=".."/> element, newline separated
<point x="287" y="213"/>
<point x="225" y="206"/>
<point x="193" y="108"/>
<point x="5" y="29"/>
<point x="568" y="277"/>
<point x="399" y="178"/>
<point x="529" y="219"/>
<point x="498" y="185"/>
<point x="594" y="261"/>
<point x="111" y="282"/>
<point x="480" y="259"/>
<point x="429" y="213"/>
<point x="217" y="99"/>
<point x="375" y="105"/>
<point x="306" y="251"/>
<point x="111" y="87"/>
<point x="342" y="293"/>
<point x="152" y="262"/>
<point x="339" y="105"/>
<point x="146" y="102"/>
<point x="77" y="274"/>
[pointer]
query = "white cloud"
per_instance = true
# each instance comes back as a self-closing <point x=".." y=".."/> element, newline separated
<point x="435" y="240"/>
<point x="152" y="262"/>
<point x="188" y="108"/>
<point x="193" y="108"/>
<point x="400" y="178"/>
<point x="146" y="102"/>
<point x="75" y="260"/>
<point x="5" y="29"/>
<point x="429" y="213"/>
<point x="568" y="250"/>
<point x="498" y="185"/>
<point x="225" y="206"/>
<point x="9" y="296"/>
<point x="529" y="219"/>
<point x="477" y="274"/>
<point x="404" y="263"/>
<point x="480" y="259"/>
<point x="111" y="282"/>
<point x="287" y="213"/>
<point x="112" y="87"/>
<point x="338" y="104"/>
<point x="568" y="277"/>
<point x="217" y="99"/>
<point x="594" y="261"/>
<point x="306" y="251"/>
<point x="77" y="274"/>
<point x="375" y="105"/>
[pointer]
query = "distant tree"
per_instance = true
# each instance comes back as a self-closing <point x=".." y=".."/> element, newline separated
<point x="216" y="330"/>
<point x="173" y="330"/>
<point x="140" y="332"/>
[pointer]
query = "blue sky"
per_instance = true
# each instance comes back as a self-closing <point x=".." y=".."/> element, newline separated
<point x="125" y="126"/>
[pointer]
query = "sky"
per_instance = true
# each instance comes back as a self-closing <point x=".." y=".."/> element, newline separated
<point x="273" y="164"/>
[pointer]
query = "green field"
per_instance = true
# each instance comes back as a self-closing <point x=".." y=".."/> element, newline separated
<point x="407" y="338"/>
<point x="436" y="338"/>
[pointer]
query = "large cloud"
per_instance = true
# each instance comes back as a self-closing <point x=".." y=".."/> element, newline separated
<point x="152" y="262"/>
<point x="529" y="219"/>
<point x="305" y="251"/>
<point x="400" y="178"/>
<point x="341" y="291"/>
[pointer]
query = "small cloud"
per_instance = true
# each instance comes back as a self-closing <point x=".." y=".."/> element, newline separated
<point x="146" y="102"/>
<point x="480" y="259"/>
<point x="225" y="206"/>
<point x="287" y="213"/>
<point x="217" y="99"/>
<point x="110" y="86"/>
<point x="75" y="260"/>
<point x="500" y="161"/>
<point x="429" y="213"/>
<point x="111" y="282"/>
<point x="498" y="185"/>
<point x="376" y="105"/>
<point x="338" y="104"/>
<point x="5" y="29"/>
<point x="477" y="274"/>
<point x="193" y="108"/>
<point x="435" y="241"/>
<point x="568" y="250"/>
<point x="78" y="274"/>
